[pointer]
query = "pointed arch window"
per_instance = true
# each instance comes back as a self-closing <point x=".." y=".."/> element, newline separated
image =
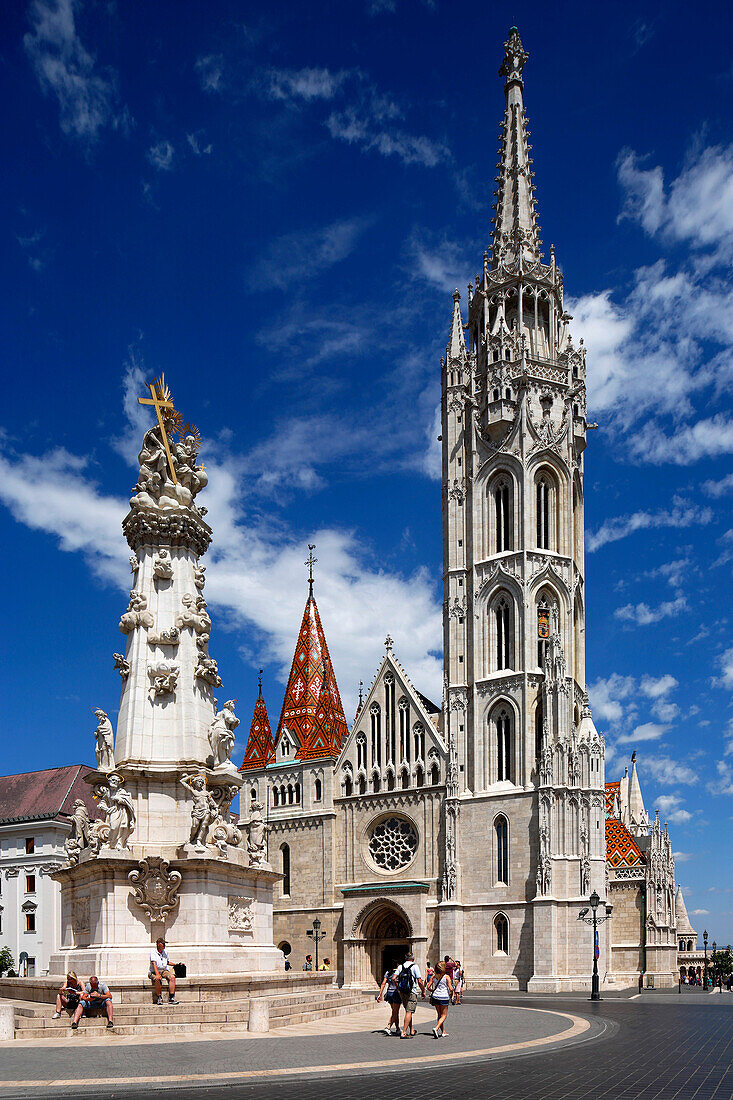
<point x="504" y="742"/>
<point x="538" y="729"/>
<point x="419" y="733"/>
<point x="501" y="935"/>
<point x="435" y="774"/>
<point x="276" y="796"/>
<point x="405" y="779"/>
<point x="375" y="714"/>
<point x="361" y="752"/>
<point x="285" y="868"/>
<point x="362" y="784"/>
<point x="318" y="789"/>
<point x="501" y="842"/>
<point x="419" y="777"/>
<point x="375" y="783"/>
<point x="404" y="708"/>
<point x="348" y="785"/>
<point x="501" y="624"/>
<point x="546" y="511"/>
<point x="502" y="518"/>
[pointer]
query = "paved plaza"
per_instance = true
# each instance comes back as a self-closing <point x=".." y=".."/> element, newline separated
<point x="657" y="1046"/>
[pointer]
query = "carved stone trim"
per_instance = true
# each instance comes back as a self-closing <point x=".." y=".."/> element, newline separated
<point x="156" y="888"/>
<point x="154" y="527"/>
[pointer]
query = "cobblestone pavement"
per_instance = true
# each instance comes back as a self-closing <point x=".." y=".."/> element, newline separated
<point x="658" y="1049"/>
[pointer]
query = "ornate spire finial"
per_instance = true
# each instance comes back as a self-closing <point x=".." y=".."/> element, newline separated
<point x="515" y="58"/>
<point x="259" y="681"/>
<point x="310" y="562"/>
<point x="361" y="693"/>
<point x="388" y="643"/>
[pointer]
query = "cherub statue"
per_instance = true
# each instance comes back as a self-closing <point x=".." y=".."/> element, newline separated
<point x="120" y="812"/>
<point x="78" y="837"/>
<point x="221" y="734"/>
<point x="162" y="565"/>
<point x="257" y="831"/>
<point x="105" y="742"/>
<point x="204" y="809"/>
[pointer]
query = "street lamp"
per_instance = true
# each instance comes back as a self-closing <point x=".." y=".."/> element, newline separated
<point x="714" y="961"/>
<point x="595" y="920"/>
<point x="316" y="935"/>
<point x="705" y="968"/>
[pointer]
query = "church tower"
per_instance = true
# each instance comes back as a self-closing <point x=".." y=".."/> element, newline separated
<point x="524" y="818"/>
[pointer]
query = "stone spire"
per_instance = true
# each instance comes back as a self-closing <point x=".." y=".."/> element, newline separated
<point x="638" y="819"/>
<point x="516" y="231"/>
<point x="684" y="927"/>
<point x="260" y="749"/>
<point x="455" y="352"/>
<point x="312" y="711"/>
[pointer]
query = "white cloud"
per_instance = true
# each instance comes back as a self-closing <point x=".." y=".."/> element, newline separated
<point x="725" y="663"/>
<point x="210" y="70"/>
<point x="648" y="731"/>
<point x="609" y="696"/>
<point x="197" y="147"/>
<point x="360" y="127"/>
<point x="719" y="488"/>
<point x="670" y="771"/>
<point x="672" y="571"/>
<point x="656" y="688"/>
<point x="87" y="98"/>
<point x="296" y="258"/>
<point x="724" y="783"/>
<point x="681" y="514"/>
<point x="681" y="857"/>
<point x="442" y="265"/>
<point x="643" y="615"/>
<point x="671" y="809"/>
<point x="700" y="913"/>
<point x="708" y="438"/>
<point x="161" y="155"/>
<point x="306" y="84"/>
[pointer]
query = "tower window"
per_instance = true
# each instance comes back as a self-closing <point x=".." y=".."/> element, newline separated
<point x="501" y="935"/>
<point x="285" y="868"/>
<point x="318" y="790"/>
<point x="502" y="516"/>
<point x="501" y="832"/>
<point x="503" y="731"/>
<point x="503" y="631"/>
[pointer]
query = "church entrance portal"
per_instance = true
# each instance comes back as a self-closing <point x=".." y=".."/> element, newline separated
<point x="385" y="936"/>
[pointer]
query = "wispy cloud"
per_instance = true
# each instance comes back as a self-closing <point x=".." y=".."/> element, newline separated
<point x="670" y="771"/>
<point x="306" y="84"/>
<point x="210" y="70"/>
<point x="681" y="514"/>
<point x="719" y="488"/>
<point x="641" y="614"/>
<point x="648" y="731"/>
<point x="295" y="258"/>
<point x="87" y="96"/>
<point x="161" y="155"/>
<point x="197" y="146"/>
<point x="442" y="264"/>
<point x="671" y="808"/>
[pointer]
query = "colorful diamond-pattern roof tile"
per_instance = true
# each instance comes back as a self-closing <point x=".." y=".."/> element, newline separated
<point x="612" y="790"/>
<point x="312" y="709"/>
<point x="621" y="848"/>
<point x="260" y="745"/>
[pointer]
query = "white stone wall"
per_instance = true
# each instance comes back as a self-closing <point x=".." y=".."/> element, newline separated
<point x="15" y="865"/>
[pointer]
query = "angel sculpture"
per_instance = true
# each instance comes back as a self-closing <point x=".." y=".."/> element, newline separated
<point x="105" y="741"/>
<point x="221" y="734"/>
<point x="204" y="809"/>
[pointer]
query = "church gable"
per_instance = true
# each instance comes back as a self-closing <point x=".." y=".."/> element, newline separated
<point x="394" y="743"/>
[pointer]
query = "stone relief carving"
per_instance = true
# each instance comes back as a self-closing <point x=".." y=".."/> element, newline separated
<point x="162" y="566"/>
<point x="164" y="637"/>
<point x="199" y="578"/>
<point x="134" y="564"/>
<point x="137" y="613"/>
<point x="80" y="916"/>
<point x="78" y="838"/>
<point x="103" y="749"/>
<point x="208" y="670"/>
<point x="257" y="830"/>
<point x="221" y="735"/>
<point x="241" y="915"/>
<point x="204" y="809"/>
<point x="499" y="686"/>
<point x="155" y="888"/>
<point x="457" y="699"/>
<point x="164" y="678"/>
<point x="194" y="614"/>
<point x="122" y="665"/>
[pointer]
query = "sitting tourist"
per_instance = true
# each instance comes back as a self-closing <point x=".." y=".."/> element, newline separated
<point x="95" y="998"/>
<point x="161" y="967"/>
<point x="69" y="995"/>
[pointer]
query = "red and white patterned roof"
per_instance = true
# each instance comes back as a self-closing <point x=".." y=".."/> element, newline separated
<point x="260" y="744"/>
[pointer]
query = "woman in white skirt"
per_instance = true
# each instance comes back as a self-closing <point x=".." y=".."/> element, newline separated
<point x="440" y="988"/>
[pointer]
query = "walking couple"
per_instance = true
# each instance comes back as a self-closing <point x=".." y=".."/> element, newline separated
<point x="399" y="988"/>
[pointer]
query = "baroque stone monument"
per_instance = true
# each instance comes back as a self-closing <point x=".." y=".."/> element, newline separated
<point x="164" y="856"/>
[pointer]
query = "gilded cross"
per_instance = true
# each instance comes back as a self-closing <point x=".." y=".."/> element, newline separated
<point x="310" y="562"/>
<point x="160" y="398"/>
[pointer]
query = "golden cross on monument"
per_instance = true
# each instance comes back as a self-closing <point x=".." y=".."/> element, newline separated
<point x="310" y="562"/>
<point x="161" y="398"/>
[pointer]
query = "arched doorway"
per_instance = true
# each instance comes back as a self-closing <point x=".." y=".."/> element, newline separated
<point x="382" y="935"/>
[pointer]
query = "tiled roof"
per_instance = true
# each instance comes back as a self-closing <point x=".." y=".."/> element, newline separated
<point x="612" y="789"/>
<point x="621" y="848"/>
<point x="312" y="709"/>
<point x="34" y="796"/>
<point x="260" y="746"/>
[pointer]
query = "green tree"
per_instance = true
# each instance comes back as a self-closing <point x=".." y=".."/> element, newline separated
<point x="721" y="962"/>
<point x="6" y="960"/>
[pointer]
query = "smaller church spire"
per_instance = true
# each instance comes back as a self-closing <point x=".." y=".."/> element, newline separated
<point x="260" y="749"/>
<point x="456" y="349"/>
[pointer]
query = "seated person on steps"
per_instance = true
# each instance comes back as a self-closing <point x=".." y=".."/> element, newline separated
<point x="95" y="998"/>
<point x="161" y="967"/>
<point x="69" y="995"/>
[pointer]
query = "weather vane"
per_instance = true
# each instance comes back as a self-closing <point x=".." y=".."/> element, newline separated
<point x="310" y="562"/>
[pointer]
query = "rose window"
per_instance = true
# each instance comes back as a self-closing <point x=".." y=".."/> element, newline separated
<point x="393" y="843"/>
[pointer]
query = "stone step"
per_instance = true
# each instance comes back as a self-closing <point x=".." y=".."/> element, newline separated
<point x="277" y="1004"/>
<point x="94" y="1026"/>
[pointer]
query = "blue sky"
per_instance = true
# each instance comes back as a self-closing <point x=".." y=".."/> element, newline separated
<point x="273" y="207"/>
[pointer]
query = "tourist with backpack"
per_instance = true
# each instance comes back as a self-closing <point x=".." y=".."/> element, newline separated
<point x="393" y="999"/>
<point x="407" y="978"/>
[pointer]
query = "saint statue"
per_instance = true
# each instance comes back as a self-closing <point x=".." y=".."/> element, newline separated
<point x="105" y="742"/>
<point x="221" y="735"/>
<point x="204" y="809"/>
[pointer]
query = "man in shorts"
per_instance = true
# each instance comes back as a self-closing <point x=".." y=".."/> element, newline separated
<point x="408" y="974"/>
<point x="95" y="998"/>
<point x="161" y="967"/>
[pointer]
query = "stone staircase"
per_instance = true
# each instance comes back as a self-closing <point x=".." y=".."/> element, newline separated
<point x="202" y="1009"/>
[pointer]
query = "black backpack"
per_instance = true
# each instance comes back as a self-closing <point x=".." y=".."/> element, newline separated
<point x="406" y="979"/>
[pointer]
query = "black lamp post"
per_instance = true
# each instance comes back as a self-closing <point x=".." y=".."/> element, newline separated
<point x="316" y="935"/>
<point x="705" y="968"/>
<point x="595" y="920"/>
<point x="714" y="962"/>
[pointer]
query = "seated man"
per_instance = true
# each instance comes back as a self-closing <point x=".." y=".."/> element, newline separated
<point x="161" y="967"/>
<point x="95" y="998"/>
<point x="69" y="995"/>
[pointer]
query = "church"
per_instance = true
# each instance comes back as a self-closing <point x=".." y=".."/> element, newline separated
<point x="477" y="825"/>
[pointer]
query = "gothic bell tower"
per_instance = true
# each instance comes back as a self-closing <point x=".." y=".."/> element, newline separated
<point x="526" y="823"/>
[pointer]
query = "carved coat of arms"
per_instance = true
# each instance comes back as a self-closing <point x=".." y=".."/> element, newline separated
<point x="156" y="888"/>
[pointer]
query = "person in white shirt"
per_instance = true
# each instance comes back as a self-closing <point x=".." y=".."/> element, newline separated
<point x="161" y="967"/>
<point x="442" y="991"/>
<point x="407" y="978"/>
